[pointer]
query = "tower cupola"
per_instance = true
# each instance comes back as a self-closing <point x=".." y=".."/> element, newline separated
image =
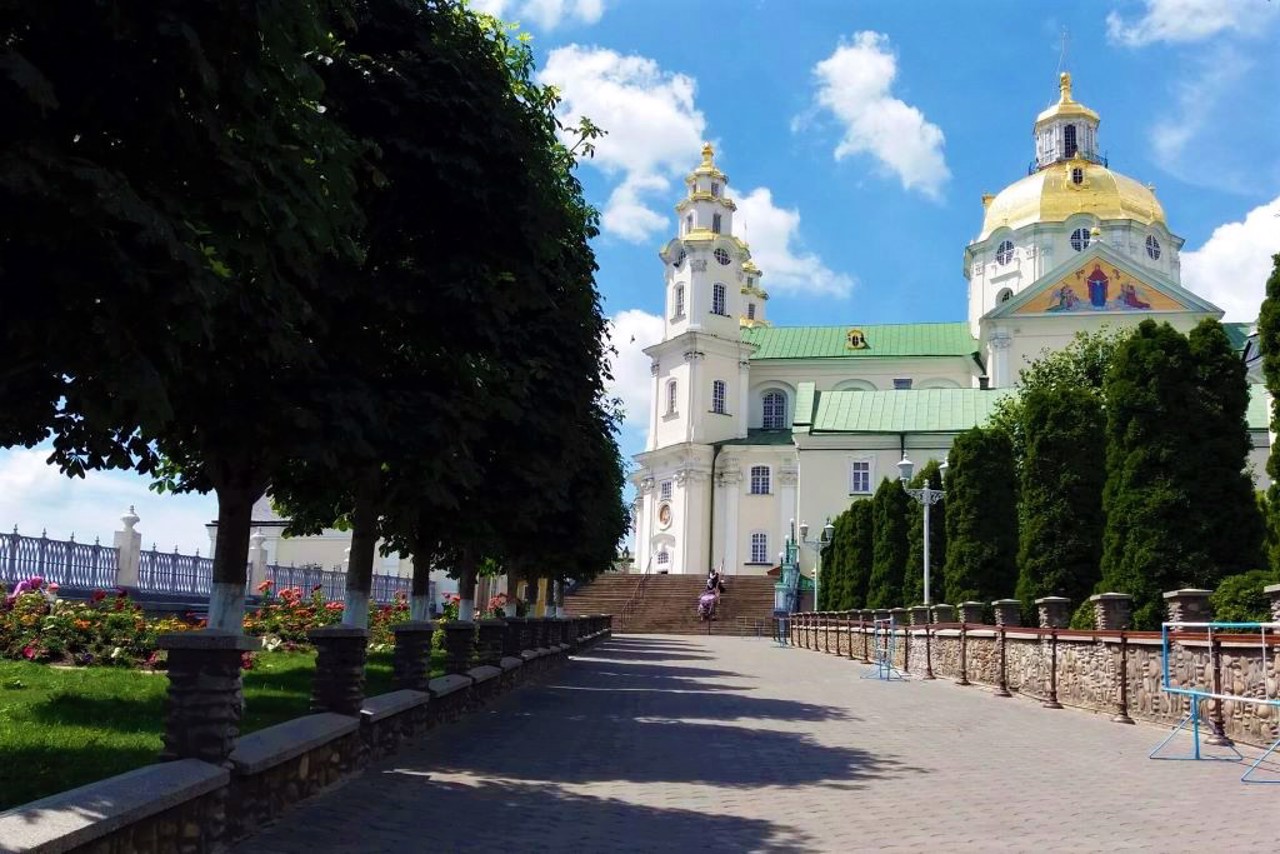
<point x="707" y="207"/>
<point x="1068" y="130"/>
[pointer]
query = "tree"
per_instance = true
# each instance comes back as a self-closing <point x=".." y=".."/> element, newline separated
<point x="913" y="579"/>
<point x="889" y="513"/>
<point x="982" y="529"/>
<point x="1061" y="495"/>
<point x="1154" y="536"/>
<point x="861" y="555"/>
<point x="1231" y="527"/>
<point x="1269" y="345"/>
<point x="201" y="202"/>
<point x="835" y="589"/>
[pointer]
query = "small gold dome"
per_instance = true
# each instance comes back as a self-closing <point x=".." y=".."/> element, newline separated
<point x="1066" y="106"/>
<point x="1051" y="195"/>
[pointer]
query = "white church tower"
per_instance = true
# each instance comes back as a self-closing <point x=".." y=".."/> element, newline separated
<point x="699" y="368"/>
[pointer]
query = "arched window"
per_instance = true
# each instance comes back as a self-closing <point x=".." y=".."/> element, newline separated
<point x="671" y="397"/>
<point x="679" y="312"/>
<point x="717" y="397"/>
<point x="1153" y="247"/>
<point x="1004" y="252"/>
<point x="759" y="480"/>
<point x="688" y="224"/>
<point x="759" y="547"/>
<point x="775" y="411"/>
<point x="1069" y="146"/>
<point x="715" y="223"/>
<point x="1005" y="295"/>
<point x="664" y="558"/>
<point x="751" y="311"/>
<point x="715" y="189"/>
<point x="718" y="299"/>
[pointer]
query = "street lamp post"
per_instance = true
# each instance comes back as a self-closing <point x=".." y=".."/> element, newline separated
<point x="926" y="497"/>
<point x="828" y="531"/>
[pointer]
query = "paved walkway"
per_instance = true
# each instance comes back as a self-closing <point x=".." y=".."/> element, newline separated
<point x="728" y="744"/>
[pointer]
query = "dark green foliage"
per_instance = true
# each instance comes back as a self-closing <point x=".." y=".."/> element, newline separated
<point x="1154" y="538"/>
<point x="862" y="544"/>
<point x="1269" y="344"/>
<point x="1084" y="616"/>
<point x="913" y="578"/>
<point x="1062" y="476"/>
<point x="889" y="558"/>
<point x="1239" y="598"/>
<point x="1230" y="524"/>
<point x="982" y="530"/>
<point x="833" y="591"/>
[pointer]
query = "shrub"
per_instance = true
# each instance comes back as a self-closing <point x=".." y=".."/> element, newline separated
<point x="1239" y="598"/>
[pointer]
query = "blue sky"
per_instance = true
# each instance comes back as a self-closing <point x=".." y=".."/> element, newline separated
<point x="858" y="138"/>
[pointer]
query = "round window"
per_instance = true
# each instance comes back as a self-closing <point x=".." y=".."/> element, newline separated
<point x="1005" y="295"/>
<point x="1004" y="252"/>
<point x="1153" y="248"/>
<point x="722" y="256"/>
<point x="1080" y="239"/>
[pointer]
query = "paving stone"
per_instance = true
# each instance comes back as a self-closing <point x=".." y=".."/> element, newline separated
<point x="695" y="743"/>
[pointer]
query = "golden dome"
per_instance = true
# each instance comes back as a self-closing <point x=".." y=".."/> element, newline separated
<point x="1066" y="107"/>
<point x="1051" y="195"/>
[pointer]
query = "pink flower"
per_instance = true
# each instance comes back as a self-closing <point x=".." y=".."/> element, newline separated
<point x="54" y="587"/>
<point x="265" y="586"/>
<point x="29" y="652"/>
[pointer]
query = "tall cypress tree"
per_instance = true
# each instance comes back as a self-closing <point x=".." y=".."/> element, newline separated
<point x="1153" y="540"/>
<point x="889" y="509"/>
<point x="982" y="526"/>
<point x="1061" y="495"/>
<point x="1269" y="344"/>
<point x="1231" y="526"/>
<point x="861" y="551"/>
<point x="913" y="579"/>
<point x="835" y="565"/>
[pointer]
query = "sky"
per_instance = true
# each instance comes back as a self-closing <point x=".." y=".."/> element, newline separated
<point x="858" y="138"/>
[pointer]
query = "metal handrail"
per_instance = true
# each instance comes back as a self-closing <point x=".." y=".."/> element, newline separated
<point x="636" y="594"/>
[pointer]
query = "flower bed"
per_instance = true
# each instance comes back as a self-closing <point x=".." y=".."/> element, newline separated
<point x="111" y="629"/>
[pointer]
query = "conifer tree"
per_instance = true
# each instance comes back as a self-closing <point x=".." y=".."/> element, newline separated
<point x="1153" y="540"/>
<point x="1061" y="495"/>
<point x="1231" y="526"/>
<point x="1269" y="344"/>
<point x="835" y="588"/>
<point x="982" y="528"/>
<point x="913" y="580"/>
<point x="889" y="509"/>
<point x="861" y="553"/>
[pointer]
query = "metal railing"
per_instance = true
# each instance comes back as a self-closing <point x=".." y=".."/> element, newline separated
<point x="171" y="572"/>
<point x="332" y="584"/>
<point x="63" y="562"/>
<point x="636" y="595"/>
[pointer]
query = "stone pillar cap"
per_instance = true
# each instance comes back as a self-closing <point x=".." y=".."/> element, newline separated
<point x="1271" y="588"/>
<point x="338" y="630"/>
<point x="414" y="626"/>
<point x="492" y="621"/>
<point x="971" y="602"/>
<point x="1007" y="602"/>
<point x="463" y="623"/>
<point x="941" y="605"/>
<point x="210" y="639"/>
<point x="1101" y="597"/>
<point x="1051" y="599"/>
<point x="1192" y="592"/>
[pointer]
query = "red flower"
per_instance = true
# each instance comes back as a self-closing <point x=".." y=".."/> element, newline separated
<point x="99" y="595"/>
<point x="29" y="652"/>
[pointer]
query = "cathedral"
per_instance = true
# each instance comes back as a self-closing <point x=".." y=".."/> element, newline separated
<point x="755" y="426"/>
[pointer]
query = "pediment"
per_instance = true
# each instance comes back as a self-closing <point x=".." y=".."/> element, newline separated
<point x="1099" y="281"/>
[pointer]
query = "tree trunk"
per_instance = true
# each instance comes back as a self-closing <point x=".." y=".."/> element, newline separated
<point x="364" y="542"/>
<point x="237" y="491"/>
<point x="513" y="587"/>
<point x="467" y="571"/>
<point x="420" y="592"/>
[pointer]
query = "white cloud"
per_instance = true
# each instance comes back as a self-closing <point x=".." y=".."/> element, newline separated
<point x="1187" y="21"/>
<point x="854" y="86"/>
<point x="630" y="332"/>
<point x="772" y="232"/>
<point x="547" y="14"/>
<point x="35" y="496"/>
<point x="1232" y="267"/>
<point x="655" y="132"/>
<point x="1199" y="96"/>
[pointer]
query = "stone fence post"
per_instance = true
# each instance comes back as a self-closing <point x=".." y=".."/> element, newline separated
<point x="129" y="545"/>
<point x="1112" y="611"/>
<point x="1189" y="606"/>
<point x="411" y="660"/>
<point x="944" y="613"/>
<point x="257" y="561"/>
<point x="919" y="615"/>
<point x="205" y="700"/>
<point x="971" y="612"/>
<point x="1008" y="612"/>
<point x="1273" y="592"/>
<point x="1054" y="612"/>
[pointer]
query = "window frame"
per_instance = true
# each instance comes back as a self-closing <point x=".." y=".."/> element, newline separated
<point x="902" y="383"/>
<point x="1154" y="249"/>
<point x="758" y="548"/>
<point x="1080" y="238"/>
<point x="663" y="557"/>
<point x="1004" y="252"/>
<point x="672" y="392"/>
<point x="666" y="489"/>
<point x="719" y="397"/>
<point x="679" y="301"/>
<point x="870" y="465"/>
<point x="766" y="423"/>
<point x="720" y="299"/>
<point x="716" y="222"/>
<point x="760" y="480"/>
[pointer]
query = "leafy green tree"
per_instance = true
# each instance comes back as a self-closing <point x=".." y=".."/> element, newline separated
<point x="861" y="556"/>
<point x="982" y="528"/>
<point x="1154" y="537"/>
<point x="1269" y="344"/>
<point x="834" y="587"/>
<point x="1231" y="527"/>
<point x="1060" y="546"/>
<point x="913" y="580"/>
<point x="889" y="559"/>
<point x="1240" y="598"/>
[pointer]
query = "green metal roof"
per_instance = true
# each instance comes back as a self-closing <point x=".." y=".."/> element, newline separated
<point x="899" y="339"/>
<point x="1238" y="333"/>
<point x="933" y="410"/>
<point x="761" y="437"/>
<point x="1259" y="413"/>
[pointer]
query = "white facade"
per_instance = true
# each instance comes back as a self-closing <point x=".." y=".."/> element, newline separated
<point x="753" y="427"/>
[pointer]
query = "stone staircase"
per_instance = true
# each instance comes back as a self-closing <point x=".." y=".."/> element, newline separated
<point x="667" y="604"/>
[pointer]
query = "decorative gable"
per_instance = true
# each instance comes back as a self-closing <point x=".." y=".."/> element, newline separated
<point x="1099" y="282"/>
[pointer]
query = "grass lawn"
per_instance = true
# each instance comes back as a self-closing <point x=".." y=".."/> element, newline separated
<point x="61" y="728"/>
